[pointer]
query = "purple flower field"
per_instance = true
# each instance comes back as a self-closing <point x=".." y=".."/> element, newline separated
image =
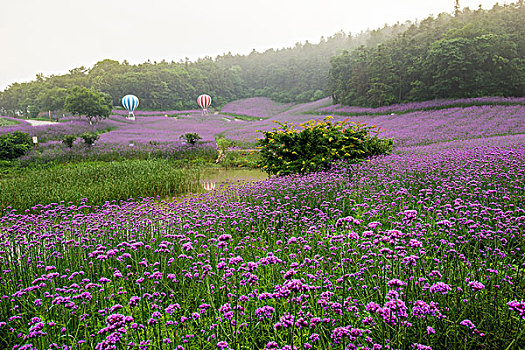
<point x="261" y="107"/>
<point x="415" y="128"/>
<point x="409" y="129"/>
<point x="421" y="249"/>
<point x="425" y="127"/>
<point x="149" y="113"/>
<point x="335" y="109"/>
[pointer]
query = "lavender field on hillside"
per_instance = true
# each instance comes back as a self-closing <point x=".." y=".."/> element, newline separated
<point x="436" y="104"/>
<point x="261" y="107"/>
<point x="408" y="129"/>
<point x="415" y="128"/>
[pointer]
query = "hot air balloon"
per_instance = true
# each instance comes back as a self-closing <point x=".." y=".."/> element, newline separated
<point x="204" y="102"/>
<point x="130" y="102"/>
<point x="209" y="185"/>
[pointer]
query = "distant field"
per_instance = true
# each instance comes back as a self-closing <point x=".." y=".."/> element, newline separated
<point x="409" y="124"/>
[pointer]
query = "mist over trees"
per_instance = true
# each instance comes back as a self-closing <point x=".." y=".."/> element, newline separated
<point x="471" y="53"/>
<point x="295" y="74"/>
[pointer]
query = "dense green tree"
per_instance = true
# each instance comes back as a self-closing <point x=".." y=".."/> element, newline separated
<point x="51" y="99"/>
<point x="471" y="54"/>
<point x="92" y="104"/>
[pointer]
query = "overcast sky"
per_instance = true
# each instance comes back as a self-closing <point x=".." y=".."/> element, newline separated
<point x="54" y="36"/>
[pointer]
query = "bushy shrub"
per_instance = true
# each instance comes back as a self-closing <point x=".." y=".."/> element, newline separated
<point x="89" y="138"/>
<point x="240" y="159"/>
<point x="14" y="145"/>
<point x="286" y="150"/>
<point x="191" y="137"/>
<point x="68" y="140"/>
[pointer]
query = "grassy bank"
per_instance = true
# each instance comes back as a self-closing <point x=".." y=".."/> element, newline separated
<point x="97" y="181"/>
<point x="7" y="122"/>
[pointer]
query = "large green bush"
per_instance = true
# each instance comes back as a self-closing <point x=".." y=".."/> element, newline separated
<point x="286" y="150"/>
<point x="89" y="138"/>
<point x="14" y="145"/>
<point x="191" y="137"/>
<point x="68" y="140"/>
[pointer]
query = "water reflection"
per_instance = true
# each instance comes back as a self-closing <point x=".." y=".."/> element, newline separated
<point x="221" y="176"/>
<point x="208" y="185"/>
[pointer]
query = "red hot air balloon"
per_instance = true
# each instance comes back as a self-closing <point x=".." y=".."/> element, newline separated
<point x="204" y="102"/>
<point x="208" y="186"/>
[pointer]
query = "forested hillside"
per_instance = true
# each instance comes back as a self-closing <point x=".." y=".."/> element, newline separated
<point x="296" y="74"/>
<point x="469" y="54"/>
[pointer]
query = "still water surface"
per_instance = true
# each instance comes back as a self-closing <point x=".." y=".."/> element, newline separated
<point x="232" y="175"/>
<point x="221" y="178"/>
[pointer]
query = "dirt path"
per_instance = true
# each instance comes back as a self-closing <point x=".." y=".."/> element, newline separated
<point x="39" y="122"/>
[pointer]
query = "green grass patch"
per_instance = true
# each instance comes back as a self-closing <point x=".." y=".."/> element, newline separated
<point x="7" y="122"/>
<point x="242" y="116"/>
<point x="97" y="181"/>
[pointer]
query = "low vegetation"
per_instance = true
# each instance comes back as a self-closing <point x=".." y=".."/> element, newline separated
<point x="286" y="150"/>
<point x="7" y="122"/>
<point x="97" y="181"/>
<point x="14" y="145"/>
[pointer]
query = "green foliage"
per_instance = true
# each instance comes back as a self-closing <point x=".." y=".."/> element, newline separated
<point x="241" y="159"/>
<point x="51" y="99"/>
<point x="89" y="138"/>
<point x="7" y="122"/>
<point x="223" y="143"/>
<point x="286" y="150"/>
<point x="68" y="140"/>
<point x="472" y="54"/>
<point x="14" y="145"/>
<point x="191" y="137"/>
<point x="47" y="156"/>
<point x="6" y="167"/>
<point x="92" y="104"/>
<point x="484" y="49"/>
<point x="98" y="181"/>
<point x="294" y="74"/>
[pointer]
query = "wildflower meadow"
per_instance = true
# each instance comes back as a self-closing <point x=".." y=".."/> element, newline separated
<point x="420" y="249"/>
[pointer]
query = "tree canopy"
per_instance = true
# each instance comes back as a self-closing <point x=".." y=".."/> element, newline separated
<point x="469" y="54"/>
<point x="294" y="74"/>
<point x="92" y="104"/>
<point x="465" y="54"/>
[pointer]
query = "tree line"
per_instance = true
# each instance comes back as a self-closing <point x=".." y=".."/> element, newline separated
<point x="294" y="74"/>
<point x="468" y="54"/>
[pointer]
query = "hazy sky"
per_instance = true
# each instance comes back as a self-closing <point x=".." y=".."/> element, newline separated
<point x="54" y="36"/>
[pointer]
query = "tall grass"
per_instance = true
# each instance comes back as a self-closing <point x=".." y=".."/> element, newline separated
<point x="97" y="181"/>
<point x="57" y="153"/>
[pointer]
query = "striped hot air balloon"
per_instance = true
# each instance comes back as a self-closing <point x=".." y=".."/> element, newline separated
<point x="208" y="186"/>
<point x="204" y="102"/>
<point x="130" y="102"/>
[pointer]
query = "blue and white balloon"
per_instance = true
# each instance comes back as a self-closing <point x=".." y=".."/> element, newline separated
<point x="130" y="102"/>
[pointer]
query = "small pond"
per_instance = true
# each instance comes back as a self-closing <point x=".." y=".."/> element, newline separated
<point x="220" y="178"/>
<point x="226" y="176"/>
